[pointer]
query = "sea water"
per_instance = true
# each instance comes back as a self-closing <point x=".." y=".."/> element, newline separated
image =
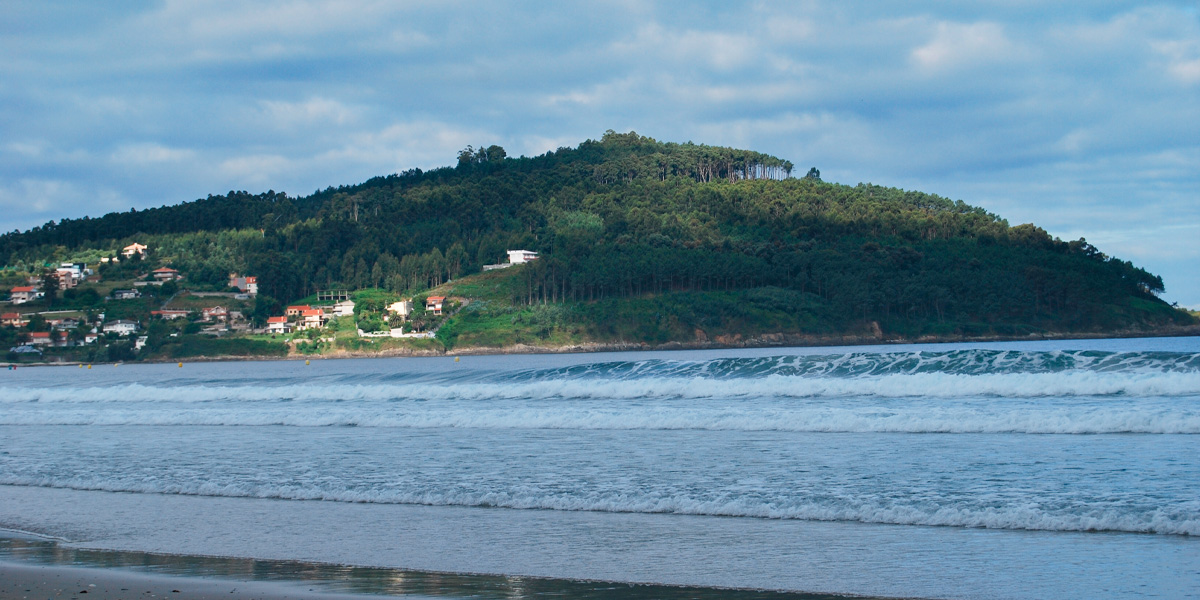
<point x="1067" y="469"/>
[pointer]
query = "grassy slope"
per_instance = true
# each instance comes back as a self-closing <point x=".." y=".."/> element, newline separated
<point x="492" y="320"/>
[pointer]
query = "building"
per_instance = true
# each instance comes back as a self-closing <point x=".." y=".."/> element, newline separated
<point x="12" y="319"/>
<point x="433" y="304"/>
<point x="247" y="285"/>
<point x="516" y="257"/>
<point x="297" y="310"/>
<point x="166" y="274"/>
<point x="169" y="314"/>
<point x="23" y="294"/>
<point x="140" y="342"/>
<point x="126" y="294"/>
<point x="278" y="325"/>
<point x="121" y="327"/>
<point x="312" y="318"/>
<point x="402" y="308"/>
<point x="40" y="338"/>
<point x="134" y="248"/>
<point x="345" y="308"/>
<point x="215" y="313"/>
<point x="67" y="323"/>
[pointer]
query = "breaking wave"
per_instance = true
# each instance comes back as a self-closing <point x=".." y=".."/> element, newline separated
<point x="1180" y="519"/>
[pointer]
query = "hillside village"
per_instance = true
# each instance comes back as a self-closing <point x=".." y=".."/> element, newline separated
<point x="126" y="307"/>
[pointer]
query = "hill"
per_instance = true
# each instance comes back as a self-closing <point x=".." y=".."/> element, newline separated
<point x="641" y="241"/>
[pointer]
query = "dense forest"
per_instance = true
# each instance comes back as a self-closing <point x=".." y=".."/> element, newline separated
<point x="627" y="216"/>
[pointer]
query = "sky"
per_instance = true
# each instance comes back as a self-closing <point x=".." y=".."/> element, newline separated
<point x="1080" y="117"/>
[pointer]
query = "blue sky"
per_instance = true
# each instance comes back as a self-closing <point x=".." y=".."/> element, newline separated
<point x="1081" y="117"/>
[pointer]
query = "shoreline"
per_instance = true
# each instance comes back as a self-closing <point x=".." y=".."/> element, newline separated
<point x="769" y="340"/>
<point x="32" y="566"/>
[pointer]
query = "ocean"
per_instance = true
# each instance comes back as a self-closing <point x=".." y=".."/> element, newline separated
<point x="1057" y="469"/>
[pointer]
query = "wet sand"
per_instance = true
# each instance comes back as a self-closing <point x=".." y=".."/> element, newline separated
<point x="21" y="581"/>
<point x="35" y="568"/>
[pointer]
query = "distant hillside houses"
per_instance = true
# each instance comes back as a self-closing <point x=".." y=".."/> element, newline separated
<point x="515" y="257"/>
<point x="25" y="293"/>
<point x="247" y="285"/>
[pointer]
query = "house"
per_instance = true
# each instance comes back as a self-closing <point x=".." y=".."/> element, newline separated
<point x="278" y="325"/>
<point x="215" y="313"/>
<point x="402" y="308"/>
<point x="67" y="323"/>
<point x="166" y="274"/>
<point x="433" y="304"/>
<point x="516" y="257"/>
<point x="169" y="314"/>
<point x="248" y="285"/>
<point x="90" y="337"/>
<point x="40" y="338"/>
<point x="121" y="327"/>
<point x="12" y="319"/>
<point x="295" y="311"/>
<point x="134" y="248"/>
<point x="126" y="294"/>
<point x="312" y="318"/>
<point x="345" y="308"/>
<point x="23" y="294"/>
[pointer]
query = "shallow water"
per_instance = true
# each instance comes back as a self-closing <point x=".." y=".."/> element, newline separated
<point x="1064" y="469"/>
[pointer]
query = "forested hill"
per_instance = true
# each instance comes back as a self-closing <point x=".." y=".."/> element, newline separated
<point x="629" y="216"/>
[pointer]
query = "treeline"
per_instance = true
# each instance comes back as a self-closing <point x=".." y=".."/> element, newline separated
<point x="626" y="216"/>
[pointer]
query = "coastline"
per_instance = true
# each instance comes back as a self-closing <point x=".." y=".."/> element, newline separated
<point x="35" y="567"/>
<point x="769" y="340"/>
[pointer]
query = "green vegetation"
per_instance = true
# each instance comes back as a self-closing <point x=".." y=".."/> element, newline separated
<point x="640" y="241"/>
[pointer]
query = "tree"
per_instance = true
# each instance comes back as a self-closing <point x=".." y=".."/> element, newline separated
<point x="813" y="174"/>
<point x="50" y="286"/>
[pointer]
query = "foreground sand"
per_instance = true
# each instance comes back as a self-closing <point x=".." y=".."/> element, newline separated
<point x="23" y="581"/>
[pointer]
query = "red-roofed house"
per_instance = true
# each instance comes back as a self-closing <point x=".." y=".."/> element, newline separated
<point x="295" y="311"/>
<point x="40" y="338"/>
<point x="13" y="319"/>
<point x="215" y="313"/>
<point x="312" y="318"/>
<point x="23" y="294"/>
<point x="166" y="274"/>
<point x="433" y="304"/>
<point x="278" y="325"/>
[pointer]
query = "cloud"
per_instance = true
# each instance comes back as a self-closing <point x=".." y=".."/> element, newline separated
<point x="150" y="153"/>
<point x="957" y="45"/>
<point x="1081" y="117"/>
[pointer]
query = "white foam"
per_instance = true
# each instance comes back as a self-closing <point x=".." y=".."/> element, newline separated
<point x="1175" y="520"/>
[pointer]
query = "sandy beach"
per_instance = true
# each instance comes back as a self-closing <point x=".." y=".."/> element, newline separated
<point x="23" y="581"/>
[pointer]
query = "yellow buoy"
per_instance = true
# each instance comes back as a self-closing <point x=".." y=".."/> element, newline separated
<point x="89" y="366"/>
<point x="181" y="365"/>
<point x="306" y="361"/>
<point x="80" y="365"/>
<point x="455" y="359"/>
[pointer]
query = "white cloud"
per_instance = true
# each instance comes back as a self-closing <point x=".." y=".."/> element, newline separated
<point x="307" y="112"/>
<point x="150" y="153"/>
<point x="956" y="45"/>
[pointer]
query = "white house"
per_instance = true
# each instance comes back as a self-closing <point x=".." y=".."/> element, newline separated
<point x="121" y="327"/>
<point x="345" y="308"/>
<point x="134" y="248"/>
<point x="126" y="294"/>
<point x="23" y="294"/>
<point x="312" y="318"/>
<point x="248" y="285"/>
<point x="402" y="308"/>
<point x="517" y="257"/>
<point x="278" y="325"/>
<point x="433" y="304"/>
